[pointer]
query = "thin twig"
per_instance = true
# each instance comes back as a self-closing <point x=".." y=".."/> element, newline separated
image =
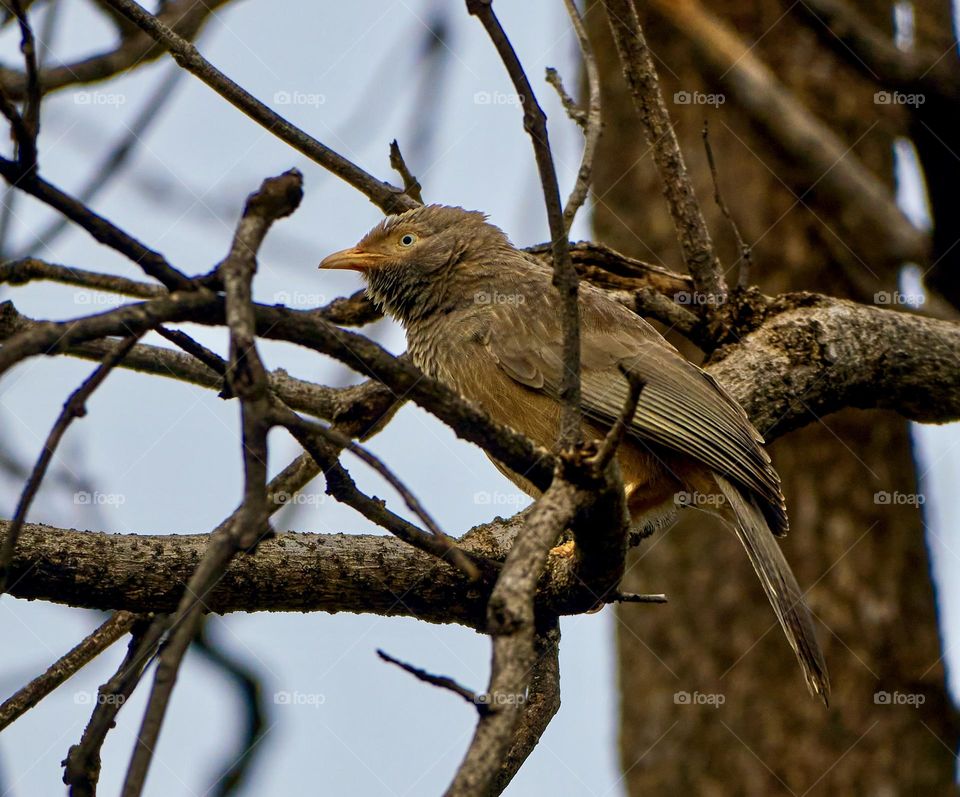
<point x="441" y="681"/>
<point x="570" y="105"/>
<point x="27" y="144"/>
<point x="565" y="278"/>
<point x="633" y="597"/>
<point x="411" y="186"/>
<point x="688" y="221"/>
<point x="111" y="165"/>
<point x="746" y="253"/>
<point x="66" y="666"/>
<point x="152" y="263"/>
<point x="387" y="197"/>
<point x="608" y="448"/>
<point x="341" y="485"/>
<point x="74" y="407"/>
<point x="590" y="120"/>
<point x="19" y="272"/>
<point x="82" y="764"/>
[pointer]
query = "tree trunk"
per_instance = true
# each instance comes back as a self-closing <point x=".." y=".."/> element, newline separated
<point x="712" y="698"/>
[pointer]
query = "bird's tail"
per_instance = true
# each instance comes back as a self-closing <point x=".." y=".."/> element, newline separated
<point x="780" y="585"/>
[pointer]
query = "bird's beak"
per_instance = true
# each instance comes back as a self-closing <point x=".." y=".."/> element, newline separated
<point x="353" y="258"/>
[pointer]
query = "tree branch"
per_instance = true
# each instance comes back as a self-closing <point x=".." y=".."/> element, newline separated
<point x="688" y="221"/>
<point x="388" y="198"/>
<point x="66" y="666"/>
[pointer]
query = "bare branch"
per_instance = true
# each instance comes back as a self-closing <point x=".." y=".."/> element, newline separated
<point x="440" y="681"/>
<point x="746" y="256"/>
<point x="511" y="624"/>
<point x="800" y="136"/>
<point x="688" y="221"/>
<point x="107" y="233"/>
<point x="186" y="17"/>
<point x="411" y="185"/>
<point x="82" y="765"/>
<point x="564" y="275"/>
<point x="590" y="119"/>
<point x="341" y="485"/>
<point x="387" y="197"/>
<point x="66" y="666"/>
<point x="541" y="705"/>
<point x="74" y="407"/>
<point x="19" y="272"/>
<point x="277" y="197"/>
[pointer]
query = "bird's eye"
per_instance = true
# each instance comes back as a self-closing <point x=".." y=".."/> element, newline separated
<point x="408" y="240"/>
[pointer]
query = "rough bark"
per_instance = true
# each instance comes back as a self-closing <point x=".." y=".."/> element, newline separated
<point x="865" y="562"/>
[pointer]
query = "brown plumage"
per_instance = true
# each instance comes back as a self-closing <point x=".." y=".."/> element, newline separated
<point x="483" y="317"/>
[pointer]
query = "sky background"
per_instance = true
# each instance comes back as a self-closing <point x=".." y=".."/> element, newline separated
<point x="166" y="455"/>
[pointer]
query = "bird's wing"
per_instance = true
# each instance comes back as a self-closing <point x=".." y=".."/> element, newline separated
<point x="681" y="407"/>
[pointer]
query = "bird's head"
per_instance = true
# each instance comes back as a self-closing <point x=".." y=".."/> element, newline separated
<point x="419" y="261"/>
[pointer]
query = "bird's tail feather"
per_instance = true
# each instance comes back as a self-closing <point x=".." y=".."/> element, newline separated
<point x="780" y="585"/>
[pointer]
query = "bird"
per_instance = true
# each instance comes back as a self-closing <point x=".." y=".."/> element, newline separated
<point x="483" y="317"/>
